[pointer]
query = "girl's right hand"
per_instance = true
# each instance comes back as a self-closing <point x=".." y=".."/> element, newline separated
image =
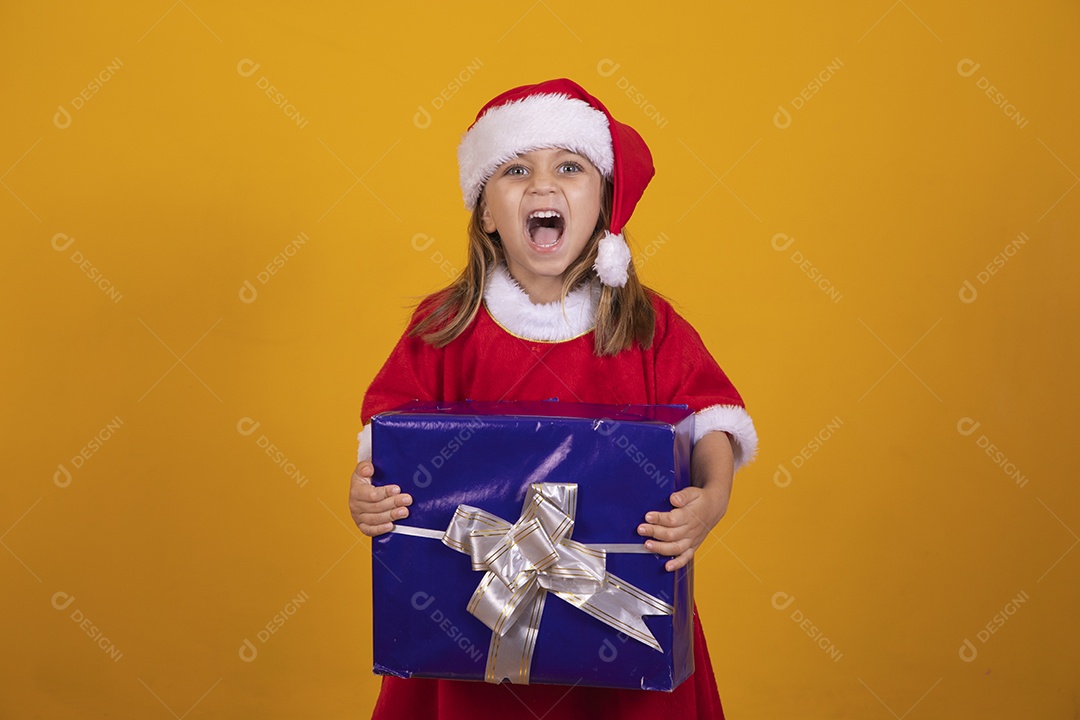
<point x="375" y="507"/>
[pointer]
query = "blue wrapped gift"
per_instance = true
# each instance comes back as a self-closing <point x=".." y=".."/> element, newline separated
<point x="520" y="559"/>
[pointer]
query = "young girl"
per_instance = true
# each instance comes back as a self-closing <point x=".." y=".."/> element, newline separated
<point x="550" y="306"/>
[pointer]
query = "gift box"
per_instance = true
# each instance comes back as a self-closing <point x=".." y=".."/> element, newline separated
<point x="520" y="559"/>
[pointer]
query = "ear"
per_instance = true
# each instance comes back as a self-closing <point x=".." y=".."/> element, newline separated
<point x="485" y="217"/>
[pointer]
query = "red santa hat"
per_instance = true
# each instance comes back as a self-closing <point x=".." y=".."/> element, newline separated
<point x="559" y="113"/>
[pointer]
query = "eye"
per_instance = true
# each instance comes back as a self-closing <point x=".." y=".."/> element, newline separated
<point x="517" y="170"/>
<point x="570" y="167"/>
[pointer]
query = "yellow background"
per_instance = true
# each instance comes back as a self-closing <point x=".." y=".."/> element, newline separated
<point x="179" y="180"/>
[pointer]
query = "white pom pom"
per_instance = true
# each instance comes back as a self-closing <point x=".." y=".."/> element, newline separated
<point x="612" y="260"/>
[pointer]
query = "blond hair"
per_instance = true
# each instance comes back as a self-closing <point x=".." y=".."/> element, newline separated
<point x="624" y="315"/>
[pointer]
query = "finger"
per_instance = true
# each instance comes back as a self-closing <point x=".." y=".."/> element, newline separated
<point x="373" y="530"/>
<point x="361" y="474"/>
<point x="688" y="514"/>
<point x="376" y="523"/>
<point x="679" y="561"/>
<point x="381" y="518"/>
<point x="361" y="489"/>
<point x="392" y="508"/>
<point x="672" y="549"/>
<point x="684" y="497"/>
<point x="666" y="519"/>
<point x="388" y="495"/>
<point x="364" y="468"/>
<point x="664" y="534"/>
<point x="384" y="505"/>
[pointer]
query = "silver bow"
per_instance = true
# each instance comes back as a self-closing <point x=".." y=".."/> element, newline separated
<point x="524" y="561"/>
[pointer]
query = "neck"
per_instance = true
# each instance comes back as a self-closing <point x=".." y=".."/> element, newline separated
<point x="540" y="289"/>
<point x="543" y="291"/>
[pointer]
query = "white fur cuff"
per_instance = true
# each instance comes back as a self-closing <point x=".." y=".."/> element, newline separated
<point x="733" y="420"/>
<point x="364" y="451"/>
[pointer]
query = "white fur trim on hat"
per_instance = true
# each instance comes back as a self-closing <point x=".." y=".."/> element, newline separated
<point x="733" y="420"/>
<point x="536" y="121"/>
<point x="556" y="321"/>
<point x="612" y="260"/>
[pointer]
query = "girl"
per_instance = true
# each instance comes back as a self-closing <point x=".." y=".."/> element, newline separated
<point x="550" y="306"/>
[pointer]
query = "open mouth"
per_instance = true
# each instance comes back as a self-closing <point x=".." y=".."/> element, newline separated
<point x="545" y="228"/>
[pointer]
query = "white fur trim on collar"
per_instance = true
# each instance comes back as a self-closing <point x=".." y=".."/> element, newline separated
<point x="536" y="121"/>
<point x="555" y="321"/>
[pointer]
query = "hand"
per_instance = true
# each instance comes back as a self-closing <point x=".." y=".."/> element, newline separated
<point x="680" y="532"/>
<point x="375" y="507"/>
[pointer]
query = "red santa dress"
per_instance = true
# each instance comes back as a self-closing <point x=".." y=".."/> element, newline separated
<point x="516" y="350"/>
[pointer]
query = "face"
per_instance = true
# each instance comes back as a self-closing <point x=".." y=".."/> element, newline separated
<point x="544" y="204"/>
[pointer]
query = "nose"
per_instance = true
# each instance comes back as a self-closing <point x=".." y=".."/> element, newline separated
<point x="543" y="182"/>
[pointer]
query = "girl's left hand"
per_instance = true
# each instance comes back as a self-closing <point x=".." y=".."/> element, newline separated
<point x="680" y="532"/>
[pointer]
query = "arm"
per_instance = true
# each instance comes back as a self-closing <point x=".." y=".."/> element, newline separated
<point x="696" y="509"/>
<point x="409" y="372"/>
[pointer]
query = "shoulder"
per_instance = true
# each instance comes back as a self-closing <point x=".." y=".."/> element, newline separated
<point x="430" y="302"/>
<point x="443" y="319"/>
<point x="427" y="306"/>
<point x="669" y="323"/>
<point x="661" y="306"/>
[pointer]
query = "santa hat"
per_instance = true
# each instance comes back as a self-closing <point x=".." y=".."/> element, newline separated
<point x="559" y="113"/>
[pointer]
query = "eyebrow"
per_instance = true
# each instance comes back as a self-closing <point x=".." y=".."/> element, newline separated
<point x="561" y="153"/>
